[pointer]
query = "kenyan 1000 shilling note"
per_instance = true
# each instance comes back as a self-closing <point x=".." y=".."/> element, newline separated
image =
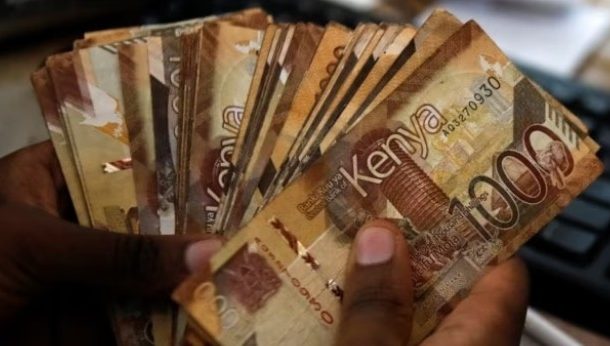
<point x="471" y="158"/>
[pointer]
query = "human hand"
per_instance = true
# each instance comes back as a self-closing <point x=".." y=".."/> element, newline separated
<point x="56" y="278"/>
<point x="378" y="301"/>
<point x="33" y="176"/>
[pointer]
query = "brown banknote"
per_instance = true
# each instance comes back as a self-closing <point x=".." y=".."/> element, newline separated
<point x="467" y="154"/>
<point x="149" y="83"/>
<point x="258" y="172"/>
<point x="131" y="323"/>
<point x="170" y="55"/>
<point x="228" y="54"/>
<point x="90" y="103"/>
<point x="254" y="127"/>
<point x="350" y="78"/>
<point x="437" y="28"/>
<point x="384" y="56"/>
<point x="259" y="136"/>
<point x="272" y="38"/>
<point x="164" y="74"/>
<point x="138" y="114"/>
<point x="189" y="43"/>
<point x="212" y="115"/>
<point x="364" y="39"/>
<point x="115" y="37"/>
<point x="323" y="64"/>
<point x="47" y="100"/>
<point x="89" y="98"/>
<point x="367" y="61"/>
<point x="365" y="58"/>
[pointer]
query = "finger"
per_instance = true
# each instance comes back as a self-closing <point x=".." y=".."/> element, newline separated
<point x="42" y="251"/>
<point x="37" y="163"/>
<point x="493" y="313"/>
<point x="44" y="152"/>
<point x="377" y="304"/>
<point x="58" y="202"/>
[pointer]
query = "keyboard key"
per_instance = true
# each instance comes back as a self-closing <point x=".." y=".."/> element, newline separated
<point x="599" y="190"/>
<point x="588" y="214"/>
<point x="569" y="238"/>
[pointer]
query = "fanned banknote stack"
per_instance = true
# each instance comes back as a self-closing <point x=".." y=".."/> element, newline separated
<point x="286" y="138"/>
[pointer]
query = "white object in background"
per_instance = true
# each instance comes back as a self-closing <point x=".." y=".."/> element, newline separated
<point x="544" y="332"/>
<point x="550" y="3"/>
<point x="555" y="39"/>
<point x="357" y="5"/>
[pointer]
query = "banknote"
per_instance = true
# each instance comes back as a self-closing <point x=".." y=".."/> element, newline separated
<point x="138" y="113"/>
<point x="466" y="153"/>
<point x="437" y="28"/>
<point x="114" y="125"/>
<point x="365" y="36"/>
<point x="89" y="93"/>
<point x="270" y="41"/>
<point x="131" y="323"/>
<point x="192" y="338"/>
<point x="383" y="58"/>
<point x="49" y="105"/>
<point x="164" y="74"/>
<point x="90" y="104"/>
<point x="367" y="61"/>
<point x="435" y="31"/>
<point x="114" y="37"/>
<point x="226" y="67"/>
<point x="258" y="143"/>
<point x="150" y="84"/>
<point x="350" y="78"/>
<point x="189" y="44"/>
<point x="324" y="62"/>
<point x="257" y="119"/>
<point x="162" y="319"/>
<point x="291" y="70"/>
<point x="164" y="56"/>
<point x="170" y="50"/>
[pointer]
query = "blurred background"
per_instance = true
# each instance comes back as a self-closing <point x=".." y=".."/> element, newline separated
<point x="564" y="45"/>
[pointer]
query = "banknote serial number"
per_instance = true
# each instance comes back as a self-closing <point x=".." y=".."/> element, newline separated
<point x="478" y="99"/>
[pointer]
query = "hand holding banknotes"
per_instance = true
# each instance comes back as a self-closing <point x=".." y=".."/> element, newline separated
<point x="285" y="139"/>
<point x="378" y="303"/>
<point x="55" y="273"/>
<point x="378" y="298"/>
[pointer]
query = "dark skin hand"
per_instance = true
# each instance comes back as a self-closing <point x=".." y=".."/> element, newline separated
<point x="32" y="176"/>
<point x="56" y="277"/>
<point x="378" y="303"/>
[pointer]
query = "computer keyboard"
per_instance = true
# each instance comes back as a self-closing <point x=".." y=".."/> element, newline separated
<point x="569" y="260"/>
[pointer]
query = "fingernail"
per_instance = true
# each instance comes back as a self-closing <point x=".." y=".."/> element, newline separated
<point x="197" y="255"/>
<point x="374" y="245"/>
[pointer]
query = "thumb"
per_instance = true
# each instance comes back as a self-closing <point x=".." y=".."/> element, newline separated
<point x="38" y="252"/>
<point x="377" y="304"/>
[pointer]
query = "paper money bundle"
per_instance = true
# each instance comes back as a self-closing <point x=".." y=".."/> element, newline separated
<point x="286" y="138"/>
